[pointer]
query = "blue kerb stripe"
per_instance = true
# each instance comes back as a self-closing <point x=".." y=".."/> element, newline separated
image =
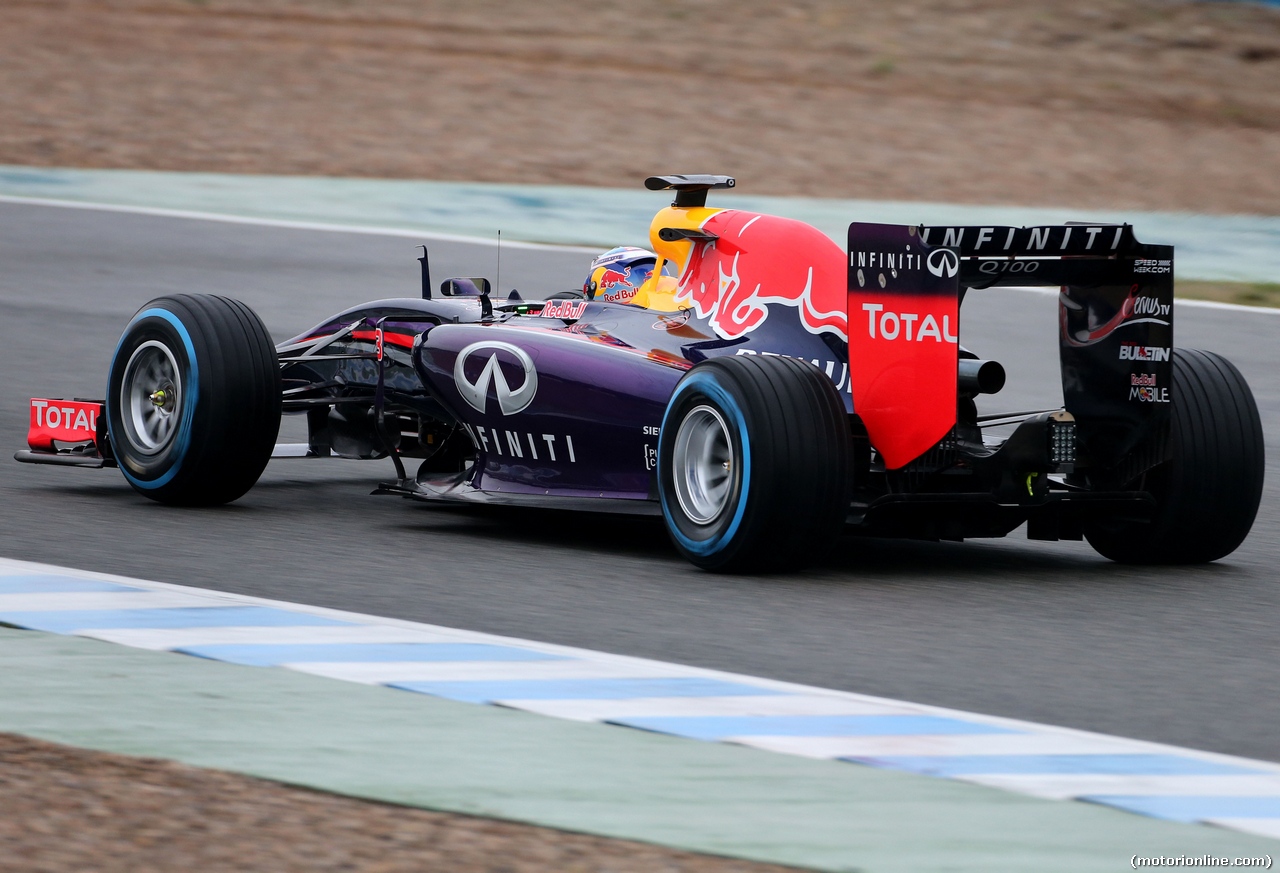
<point x="66" y="621"/>
<point x="581" y="689"/>
<point x="1191" y="809"/>
<point x="723" y="727"/>
<point x="269" y="655"/>
<point x="56" y="585"/>
<point x="1042" y="765"/>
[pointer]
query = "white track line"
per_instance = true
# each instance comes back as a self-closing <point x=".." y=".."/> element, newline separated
<point x="584" y="685"/>
<point x="225" y="218"/>
<point x="443" y="237"/>
<point x="375" y="626"/>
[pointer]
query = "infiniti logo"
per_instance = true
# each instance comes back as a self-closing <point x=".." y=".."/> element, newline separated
<point x="476" y="393"/>
<point x="943" y="261"/>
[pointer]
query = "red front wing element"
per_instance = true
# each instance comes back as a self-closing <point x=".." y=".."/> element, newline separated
<point x="904" y="327"/>
<point x="67" y="421"/>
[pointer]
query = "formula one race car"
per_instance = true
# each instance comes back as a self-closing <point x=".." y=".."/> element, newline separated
<point x="787" y="391"/>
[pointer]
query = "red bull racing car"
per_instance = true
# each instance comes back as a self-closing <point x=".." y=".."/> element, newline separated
<point x="755" y="384"/>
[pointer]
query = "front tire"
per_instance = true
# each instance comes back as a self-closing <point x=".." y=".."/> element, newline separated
<point x="193" y="400"/>
<point x="1207" y="495"/>
<point x="754" y="461"/>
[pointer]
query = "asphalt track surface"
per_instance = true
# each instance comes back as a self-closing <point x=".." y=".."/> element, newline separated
<point x="1041" y="631"/>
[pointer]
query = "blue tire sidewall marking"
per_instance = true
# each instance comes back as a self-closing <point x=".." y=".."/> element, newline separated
<point x="183" y="437"/>
<point x="706" y="383"/>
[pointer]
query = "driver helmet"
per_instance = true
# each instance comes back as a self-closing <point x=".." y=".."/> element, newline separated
<point x="618" y="275"/>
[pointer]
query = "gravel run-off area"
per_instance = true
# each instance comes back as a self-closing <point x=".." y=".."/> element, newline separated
<point x="1151" y="104"/>
<point x="68" y="810"/>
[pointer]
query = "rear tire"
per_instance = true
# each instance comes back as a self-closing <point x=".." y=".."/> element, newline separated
<point x="1208" y="493"/>
<point x="754" y="460"/>
<point x="193" y="400"/>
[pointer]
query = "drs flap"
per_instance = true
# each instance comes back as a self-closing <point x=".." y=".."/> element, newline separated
<point x="903" y="311"/>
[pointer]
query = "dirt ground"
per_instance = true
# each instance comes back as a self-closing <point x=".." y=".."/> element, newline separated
<point x="1161" y="104"/>
<point x="68" y="810"/>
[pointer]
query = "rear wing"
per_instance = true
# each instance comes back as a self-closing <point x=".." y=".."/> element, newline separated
<point x="1115" y="331"/>
<point x="1061" y="254"/>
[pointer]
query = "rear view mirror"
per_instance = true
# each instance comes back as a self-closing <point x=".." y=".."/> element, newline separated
<point x="464" y="287"/>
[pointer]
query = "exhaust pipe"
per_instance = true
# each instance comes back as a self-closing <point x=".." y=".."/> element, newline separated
<point x="980" y="377"/>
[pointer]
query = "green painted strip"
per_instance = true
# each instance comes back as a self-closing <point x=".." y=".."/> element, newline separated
<point x="1229" y="248"/>
<point x="405" y="748"/>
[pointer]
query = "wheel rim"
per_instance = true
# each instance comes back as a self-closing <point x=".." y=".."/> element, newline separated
<point x="151" y="397"/>
<point x="702" y="463"/>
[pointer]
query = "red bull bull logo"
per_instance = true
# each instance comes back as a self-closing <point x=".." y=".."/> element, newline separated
<point x="611" y="285"/>
<point x="621" y="285"/>
<point x="757" y="260"/>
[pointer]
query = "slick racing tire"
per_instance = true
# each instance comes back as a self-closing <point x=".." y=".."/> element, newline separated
<point x="193" y="400"/>
<point x="754" y="461"/>
<point x="1207" y="495"/>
